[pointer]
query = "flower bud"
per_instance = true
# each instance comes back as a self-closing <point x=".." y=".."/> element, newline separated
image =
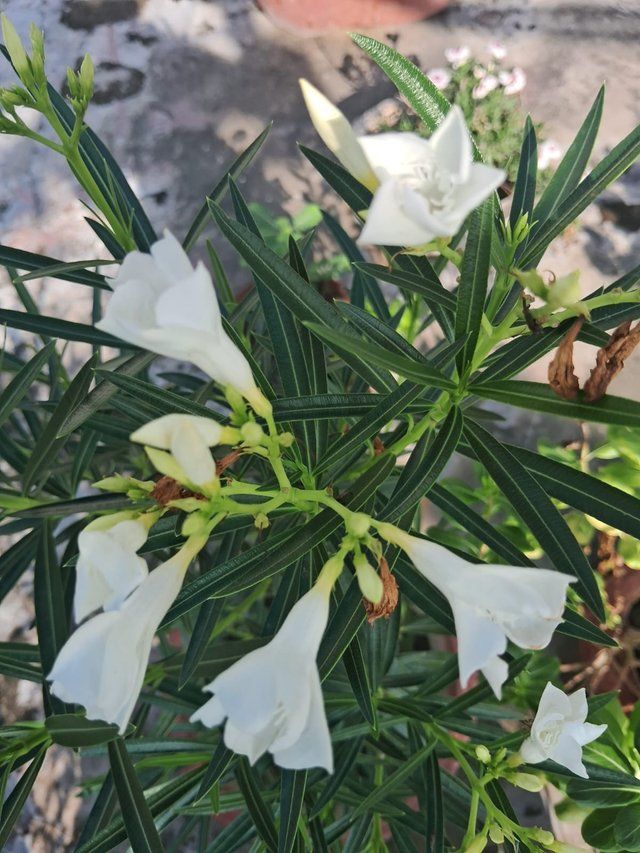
<point x="85" y="78"/>
<point x="369" y="581"/>
<point x="565" y="291"/>
<point x="195" y="524"/>
<point x="533" y="282"/>
<point x="358" y="524"/>
<point x="526" y="781"/>
<point x="123" y="484"/>
<point x="286" y="439"/>
<point x="543" y="836"/>
<point x="496" y="834"/>
<point x="477" y="845"/>
<point x="166" y="464"/>
<point x="15" y="48"/>
<point x="261" y="521"/>
<point x="483" y="754"/>
<point x="37" y="53"/>
<point x="252" y="433"/>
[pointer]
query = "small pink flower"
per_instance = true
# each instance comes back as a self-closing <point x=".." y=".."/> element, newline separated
<point x="479" y="72"/>
<point x="548" y="153"/>
<point x="513" y="81"/>
<point x="440" y="77"/>
<point x="497" y="51"/>
<point x="457" y="56"/>
<point x="485" y="87"/>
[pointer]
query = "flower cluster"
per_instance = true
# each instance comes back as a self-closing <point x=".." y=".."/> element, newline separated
<point x="271" y="699"/>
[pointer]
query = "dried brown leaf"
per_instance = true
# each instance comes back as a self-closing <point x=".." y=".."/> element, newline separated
<point x="389" y="600"/>
<point x="562" y="377"/>
<point x="610" y="360"/>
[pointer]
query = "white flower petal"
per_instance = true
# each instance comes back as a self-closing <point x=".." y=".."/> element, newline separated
<point x="587" y="732"/>
<point x="482" y="181"/>
<point x="313" y="747"/>
<point x="162" y="431"/>
<point x="496" y="672"/>
<point x="394" y="154"/>
<point x="193" y="455"/>
<point x="532" y="752"/>
<point x="451" y="145"/>
<point x="251" y="744"/>
<point x="102" y="664"/>
<point x="554" y="701"/>
<point x="388" y="224"/>
<point x="579" y="705"/>
<point x="210" y="714"/>
<point x="169" y="256"/>
<point x="568" y="753"/>
<point x="479" y="640"/>
<point x="163" y="304"/>
<point x="248" y="690"/>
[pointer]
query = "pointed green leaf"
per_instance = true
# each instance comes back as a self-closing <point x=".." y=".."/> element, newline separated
<point x="138" y="820"/>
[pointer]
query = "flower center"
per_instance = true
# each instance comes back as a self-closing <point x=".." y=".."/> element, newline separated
<point x="434" y="183"/>
<point x="549" y="736"/>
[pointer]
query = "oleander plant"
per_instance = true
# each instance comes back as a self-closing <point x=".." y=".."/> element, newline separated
<point x="239" y="615"/>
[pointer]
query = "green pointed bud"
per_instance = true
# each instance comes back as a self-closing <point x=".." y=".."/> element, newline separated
<point x="166" y="464"/>
<point x="10" y="99"/>
<point x="483" y="754"/>
<point x="496" y="834"/>
<point x="15" y="48"/>
<point x="565" y="291"/>
<point x="358" y="524"/>
<point x="369" y="580"/>
<point x="330" y="572"/>
<point x="514" y="760"/>
<point x="72" y="83"/>
<point x="85" y="77"/>
<point x="286" y="439"/>
<point x="261" y="521"/>
<point x="117" y="483"/>
<point x="533" y="282"/>
<point x="500" y="755"/>
<point x="521" y="230"/>
<point x="37" y="53"/>
<point x="477" y="845"/>
<point x="252" y="433"/>
<point x="545" y="837"/>
<point x="526" y="781"/>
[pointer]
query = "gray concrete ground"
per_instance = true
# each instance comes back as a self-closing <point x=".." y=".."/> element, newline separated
<point x="182" y="85"/>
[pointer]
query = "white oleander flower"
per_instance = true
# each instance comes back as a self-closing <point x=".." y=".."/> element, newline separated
<point x="440" y="77"/>
<point x="189" y="438"/>
<point x="427" y="186"/>
<point x="103" y="664"/>
<point x="514" y="81"/>
<point x="108" y="568"/>
<point x="549" y="152"/>
<point x="457" y="56"/>
<point x="336" y="132"/>
<point x="163" y="304"/>
<point x="488" y="83"/>
<point x="491" y="604"/>
<point x="272" y="699"/>
<point x="560" y="730"/>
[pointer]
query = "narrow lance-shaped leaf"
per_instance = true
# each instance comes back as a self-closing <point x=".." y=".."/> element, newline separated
<point x="572" y="166"/>
<point x="524" y="191"/>
<point x="16" y="390"/>
<point x="141" y="829"/>
<point x="474" y="277"/>
<point x="537" y="511"/>
<point x="219" y="191"/>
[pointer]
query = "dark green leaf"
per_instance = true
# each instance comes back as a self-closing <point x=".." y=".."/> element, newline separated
<point x="13" y="805"/>
<point x="220" y="190"/>
<point x="292" y="787"/>
<point x="539" y="397"/>
<point x="429" y="287"/>
<point x="15" y="391"/>
<point x="52" y="327"/>
<point x="17" y="259"/>
<point x="138" y="820"/>
<point x="474" y="277"/>
<point x="536" y="510"/>
<point x="256" y="806"/>
<point x="524" y="191"/>
<point x="76" y="731"/>
<point x="433" y="454"/>
<point x="572" y="166"/>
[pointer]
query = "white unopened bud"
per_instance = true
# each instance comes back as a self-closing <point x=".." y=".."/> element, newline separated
<point x="369" y="580"/>
<point x="252" y="433"/>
